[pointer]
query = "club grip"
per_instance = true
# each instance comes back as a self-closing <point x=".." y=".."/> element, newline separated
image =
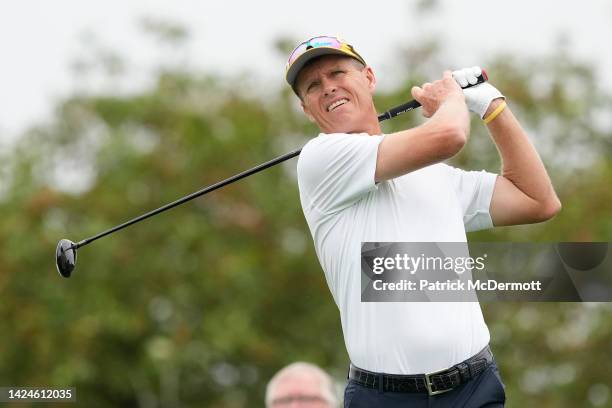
<point x="408" y="106"/>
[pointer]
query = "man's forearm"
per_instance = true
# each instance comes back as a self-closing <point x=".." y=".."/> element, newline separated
<point x="452" y="111"/>
<point x="521" y="163"/>
<point x="438" y="139"/>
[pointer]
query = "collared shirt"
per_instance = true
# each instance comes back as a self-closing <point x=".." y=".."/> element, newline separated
<point x="345" y="207"/>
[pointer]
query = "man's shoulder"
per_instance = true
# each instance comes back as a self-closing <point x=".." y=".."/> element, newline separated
<point x="324" y="143"/>
<point x="327" y="138"/>
<point x="328" y="142"/>
<point x="312" y="144"/>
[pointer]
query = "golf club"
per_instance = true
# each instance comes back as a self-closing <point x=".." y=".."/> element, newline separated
<point x="66" y="250"/>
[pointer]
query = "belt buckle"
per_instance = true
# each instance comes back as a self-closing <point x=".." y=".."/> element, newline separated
<point x="429" y="383"/>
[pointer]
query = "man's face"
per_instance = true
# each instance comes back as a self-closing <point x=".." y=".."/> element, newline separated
<point x="299" y="391"/>
<point x="337" y="95"/>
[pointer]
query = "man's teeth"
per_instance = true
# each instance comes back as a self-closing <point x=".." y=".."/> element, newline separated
<point x="336" y="104"/>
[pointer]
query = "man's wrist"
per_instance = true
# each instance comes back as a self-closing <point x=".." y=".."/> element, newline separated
<point x="493" y="105"/>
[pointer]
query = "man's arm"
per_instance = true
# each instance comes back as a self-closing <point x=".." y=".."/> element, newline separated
<point x="523" y="193"/>
<point x="438" y="139"/>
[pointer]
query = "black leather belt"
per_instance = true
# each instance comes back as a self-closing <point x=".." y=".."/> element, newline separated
<point x="433" y="383"/>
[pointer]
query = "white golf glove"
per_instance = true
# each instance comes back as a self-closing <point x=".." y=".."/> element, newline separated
<point x="479" y="97"/>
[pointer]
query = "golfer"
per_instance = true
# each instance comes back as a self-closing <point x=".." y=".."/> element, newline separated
<point x="357" y="184"/>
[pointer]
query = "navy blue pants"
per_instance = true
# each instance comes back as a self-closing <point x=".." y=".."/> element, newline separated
<point x="486" y="390"/>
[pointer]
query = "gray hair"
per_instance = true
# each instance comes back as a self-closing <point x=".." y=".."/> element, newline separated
<point x="328" y="392"/>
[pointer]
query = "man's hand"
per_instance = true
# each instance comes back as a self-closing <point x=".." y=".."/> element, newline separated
<point x="438" y="139"/>
<point x="432" y="95"/>
<point x="478" y="98"/>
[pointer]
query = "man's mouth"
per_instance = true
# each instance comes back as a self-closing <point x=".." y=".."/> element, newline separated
<point x="334" y="105"/>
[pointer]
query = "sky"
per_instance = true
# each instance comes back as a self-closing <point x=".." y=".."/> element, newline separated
<point x="40" y="41"/>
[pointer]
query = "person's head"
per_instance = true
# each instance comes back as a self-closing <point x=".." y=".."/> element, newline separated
<point x="300" y="385"/>
<point x="335" y="86"/>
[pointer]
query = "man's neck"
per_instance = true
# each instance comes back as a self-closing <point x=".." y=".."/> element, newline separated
<point x="372" y="129"/>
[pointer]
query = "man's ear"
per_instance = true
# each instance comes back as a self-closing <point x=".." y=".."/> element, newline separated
<point x="371" y="78"/>
<point x="307" y="112"/>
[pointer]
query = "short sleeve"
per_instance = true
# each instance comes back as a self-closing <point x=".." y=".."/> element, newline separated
<point x="336" y="170"/>
<point x="474" y="190"/>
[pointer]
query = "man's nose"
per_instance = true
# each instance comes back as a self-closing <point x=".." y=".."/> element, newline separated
<point x="329" y="87"/>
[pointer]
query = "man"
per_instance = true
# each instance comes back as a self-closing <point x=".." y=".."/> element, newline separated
<point x="358" y="185"/>
<point x="300" y="385"/>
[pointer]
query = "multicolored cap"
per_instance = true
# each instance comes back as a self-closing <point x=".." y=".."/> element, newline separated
<point x="317" y="47"/>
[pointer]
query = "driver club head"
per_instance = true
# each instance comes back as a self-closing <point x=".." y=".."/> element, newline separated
<point x="65" y="257"/>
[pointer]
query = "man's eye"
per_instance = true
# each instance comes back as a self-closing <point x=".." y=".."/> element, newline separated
<point x="338" y="72"/>
<point x="312" y="86"/>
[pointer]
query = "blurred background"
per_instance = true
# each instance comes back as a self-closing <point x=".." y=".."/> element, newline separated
<point x="111" y="109"/>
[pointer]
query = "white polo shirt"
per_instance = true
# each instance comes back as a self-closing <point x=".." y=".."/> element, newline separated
<point x="344" y="207"/>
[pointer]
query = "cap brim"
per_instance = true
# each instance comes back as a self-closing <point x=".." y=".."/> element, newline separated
<point x="299" y="63"/>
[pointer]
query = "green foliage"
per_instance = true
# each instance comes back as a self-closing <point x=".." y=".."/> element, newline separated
<point x="201" y="305"/>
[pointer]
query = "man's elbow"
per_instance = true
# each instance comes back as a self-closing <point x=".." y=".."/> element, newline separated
<point x="549" y="209"/>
